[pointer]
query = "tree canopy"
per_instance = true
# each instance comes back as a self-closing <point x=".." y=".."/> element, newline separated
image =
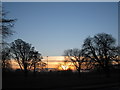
<point x="74" y="56"/>
<point x="100" y="49"/>
<point x="25" y="54"/>
<point x="5" y="25"/>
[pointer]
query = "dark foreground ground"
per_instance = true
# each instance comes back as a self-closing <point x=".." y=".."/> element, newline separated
<point x="61" y="81"/>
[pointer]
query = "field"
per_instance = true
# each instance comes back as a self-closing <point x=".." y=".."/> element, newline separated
<point x="59" y="80"/>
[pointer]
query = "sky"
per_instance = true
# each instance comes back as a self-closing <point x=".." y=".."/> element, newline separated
<point x="52" y="61"/>
<point x="52" y="27"/>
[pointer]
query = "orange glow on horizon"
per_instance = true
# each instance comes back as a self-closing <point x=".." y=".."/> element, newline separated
<point x="56" y="62"/>
<point x="53" y="61"/>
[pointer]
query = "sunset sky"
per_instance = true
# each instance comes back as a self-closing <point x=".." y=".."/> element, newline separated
<point x="53" y="62"/>
<point x="54" y="27"/>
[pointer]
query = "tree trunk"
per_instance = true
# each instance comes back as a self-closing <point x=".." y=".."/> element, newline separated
<point x="79" y="68"/>
<point x="34" y="72"/>
<point x="19" y="64"/>
<point x="25" y="70"/>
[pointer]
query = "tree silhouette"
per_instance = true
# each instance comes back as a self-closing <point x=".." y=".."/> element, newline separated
<point x="5" y="26"/>
<point x="35" y="58"/>
<point x="6" y="62"/>
<point x="74" y="56"/>
<point x="116" y="57"/>
<point x="24" y="54"/>
<point x="5" y="31"/>
<point x="100" y="49"/>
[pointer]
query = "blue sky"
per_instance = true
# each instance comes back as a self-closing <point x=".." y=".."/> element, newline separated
<point x="54" y="27"/>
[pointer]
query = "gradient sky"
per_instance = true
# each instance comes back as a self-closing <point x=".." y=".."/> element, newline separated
<point x="54" y="27"/>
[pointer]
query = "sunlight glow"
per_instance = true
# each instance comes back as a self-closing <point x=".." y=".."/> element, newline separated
<point x="64" y="67"/>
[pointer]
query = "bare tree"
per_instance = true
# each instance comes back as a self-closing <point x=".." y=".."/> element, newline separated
<point x="5" y="26"/>
<point x="100" y="49"/>
<point x="5" y="31"/>
<point x="25" y="55"/>
<point x="74" y="56"/>
<point x="21" y="52"/>
<point x="6" y="62"/>
<point x="35" y="58"/>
